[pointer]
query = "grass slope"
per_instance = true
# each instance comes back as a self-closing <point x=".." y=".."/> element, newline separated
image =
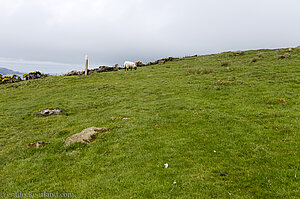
<point x="180" y="115"/>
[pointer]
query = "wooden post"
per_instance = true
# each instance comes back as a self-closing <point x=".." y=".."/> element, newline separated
<point x="86" y="65"/>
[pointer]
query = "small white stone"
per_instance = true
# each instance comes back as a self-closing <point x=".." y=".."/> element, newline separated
<point x="174" y="182"/>
<point x="215" y="151"/>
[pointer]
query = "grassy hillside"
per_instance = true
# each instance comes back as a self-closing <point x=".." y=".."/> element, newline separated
<point x="202" y="119"/>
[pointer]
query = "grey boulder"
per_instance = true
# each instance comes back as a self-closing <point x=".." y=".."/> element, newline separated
<point x="49" y="111"/>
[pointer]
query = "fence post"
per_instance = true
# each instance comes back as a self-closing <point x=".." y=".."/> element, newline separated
<point x="86" y="65"/>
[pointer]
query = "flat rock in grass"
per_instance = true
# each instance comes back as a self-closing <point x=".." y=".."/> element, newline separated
<point x="49" y="111"/>
<point x="219" y="82"/>
<point x="37" y="144"/>
<point x="86" y="136"/>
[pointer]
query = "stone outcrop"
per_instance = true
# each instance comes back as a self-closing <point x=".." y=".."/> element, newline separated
<point x="100" y="69"/>
<point x="103" y="69"/>
<point x="37" y="144"/>
<point x="73" y="72"/>
<point x="164" y="60"/>
<point x="49" y="111"/>
<point x="86" y="136"/>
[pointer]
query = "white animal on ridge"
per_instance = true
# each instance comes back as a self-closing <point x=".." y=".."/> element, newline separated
<point x="129" y="65"/>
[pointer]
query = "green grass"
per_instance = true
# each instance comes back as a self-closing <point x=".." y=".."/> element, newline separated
<point x="180" y="115"/>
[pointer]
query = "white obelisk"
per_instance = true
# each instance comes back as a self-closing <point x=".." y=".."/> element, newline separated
<point x="86" y="65"/>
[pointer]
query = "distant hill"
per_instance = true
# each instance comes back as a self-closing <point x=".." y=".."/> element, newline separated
<point x="5" y="71"/>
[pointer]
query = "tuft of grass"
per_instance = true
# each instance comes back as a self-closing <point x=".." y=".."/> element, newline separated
<point x="220" y="82"/>
<point x="254" y="59"/>
<point x="282" y="100"/>
<point x="261" y="55"/>
<point x="286" y="55"/>
<point x="225" y="63"/>
<point x="185" y="66"/>
<point x="201" y="70"/>
<point x="236" y="53"/>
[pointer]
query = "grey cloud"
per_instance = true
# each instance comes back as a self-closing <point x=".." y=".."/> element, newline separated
<point x="112" y="31"/>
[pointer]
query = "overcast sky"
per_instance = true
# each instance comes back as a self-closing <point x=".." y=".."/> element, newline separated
<point x="55" y="35"/>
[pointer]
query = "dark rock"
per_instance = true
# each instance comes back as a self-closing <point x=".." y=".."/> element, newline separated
<point x="223" y="174"/>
